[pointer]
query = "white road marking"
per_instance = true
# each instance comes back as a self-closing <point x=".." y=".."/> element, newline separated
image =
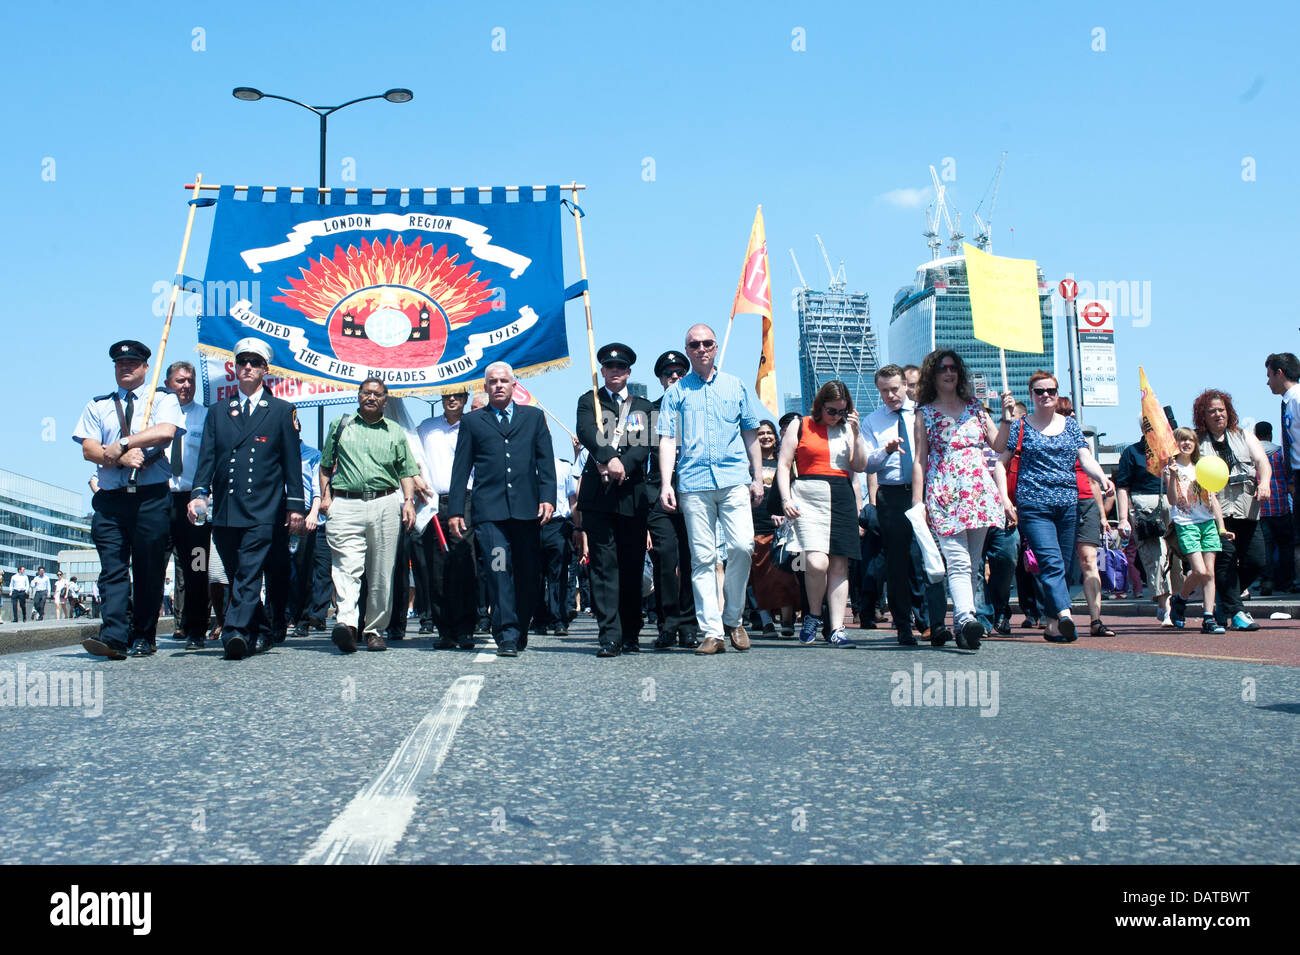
<point x="487" y="656"/>
<point x="374" y="821"/>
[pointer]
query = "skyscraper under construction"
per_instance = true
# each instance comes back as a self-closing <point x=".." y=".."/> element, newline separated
<point x="836" y="342"/>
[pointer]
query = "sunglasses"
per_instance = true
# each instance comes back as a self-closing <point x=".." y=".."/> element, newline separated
<point x="837" y="412"/>
<point x="1045" y="391"/>
<point x="617" y="365"/>
<point x="708" y="343"/>
<point x="251" y="360"/>
<point x="948" y="366"/>
<point x="672" y="374"/>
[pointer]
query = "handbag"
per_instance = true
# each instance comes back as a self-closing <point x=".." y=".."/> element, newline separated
<point x="782" y="555"/>
<point x="1013" y="466"/>
<point x="1031" y="562"/>
<point x="1114" y="566"/>
<point x="931" y="559"/>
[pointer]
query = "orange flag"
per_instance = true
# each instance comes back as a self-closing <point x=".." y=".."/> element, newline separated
<point x="754" y="297"/>
<point x="1161" y="447"/>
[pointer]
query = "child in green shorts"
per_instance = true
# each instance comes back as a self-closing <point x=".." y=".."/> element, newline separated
<point x="1198" y="522"/>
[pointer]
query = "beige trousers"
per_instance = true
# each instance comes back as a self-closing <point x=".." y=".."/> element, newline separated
<point x="363" y="538"/>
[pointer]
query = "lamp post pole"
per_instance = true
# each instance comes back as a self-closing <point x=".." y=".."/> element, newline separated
<point x="251" y="95"/>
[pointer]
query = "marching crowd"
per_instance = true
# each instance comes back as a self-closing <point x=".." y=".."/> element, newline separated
<point x="692" y="509"/>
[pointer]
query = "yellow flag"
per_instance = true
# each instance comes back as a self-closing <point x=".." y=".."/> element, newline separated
<point x="1161" y="447"/>
<point x="754" y="297"/>
<point x="1004" y="305"/>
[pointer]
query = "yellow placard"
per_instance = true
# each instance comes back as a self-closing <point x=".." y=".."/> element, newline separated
<point x="1004" y="302"/>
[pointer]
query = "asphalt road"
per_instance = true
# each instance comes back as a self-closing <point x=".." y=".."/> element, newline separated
<point x="1091" y="753"/>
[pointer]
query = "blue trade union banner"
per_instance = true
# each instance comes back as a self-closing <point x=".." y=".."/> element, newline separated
<point x="424" y="297"/>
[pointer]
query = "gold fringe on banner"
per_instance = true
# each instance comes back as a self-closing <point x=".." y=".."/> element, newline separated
<point x="530" y="371"/>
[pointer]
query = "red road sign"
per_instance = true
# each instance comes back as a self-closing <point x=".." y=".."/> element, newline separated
<point x="1068" y="288"/>
<point x="1095" y="314"/>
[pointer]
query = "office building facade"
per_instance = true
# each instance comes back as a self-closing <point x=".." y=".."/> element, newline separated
<point x="37" y="520"/>
<point x="934" y="312"/>
<point x="836" y="342"/>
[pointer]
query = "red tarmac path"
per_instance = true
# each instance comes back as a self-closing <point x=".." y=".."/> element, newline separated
<point x="1277" y="642"/>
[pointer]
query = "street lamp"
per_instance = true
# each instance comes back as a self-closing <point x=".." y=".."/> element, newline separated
<point x="250" y="95"/>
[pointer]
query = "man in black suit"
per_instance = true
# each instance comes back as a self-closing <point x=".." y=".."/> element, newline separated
<point x="671" y="550"/>
<point x="251" y="466"/>
<point x="613" y="501"/>
<point x="508" y="447"/>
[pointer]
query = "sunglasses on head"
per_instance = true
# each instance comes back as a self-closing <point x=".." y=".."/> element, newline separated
<point x="1045" y="391"/>
<point x="707" y="343"/>
<point x="255" y="360"/>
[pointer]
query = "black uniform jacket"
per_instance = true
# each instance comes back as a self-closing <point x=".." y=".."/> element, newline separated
<point x="632" y="497"/>
<point x="252" y="466"/>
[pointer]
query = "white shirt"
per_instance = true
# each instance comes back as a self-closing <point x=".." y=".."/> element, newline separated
<point x="1291" y="421"/>
<point x="18" y="584"/>
<point x="99" y="422"/>
<point x="194" y="414"/>
<point x="562" y="509"/>
<point x="41" y="584"/>
<point x="879" y="429"/>
<point x="438" y="437"/>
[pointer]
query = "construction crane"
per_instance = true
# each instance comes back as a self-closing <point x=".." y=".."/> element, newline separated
<point x="984" y="238"/>
<point x="955" y="235"/>
<point x="838" y="281"/>
<point x="803" y="283"/>
<point x="932" y="216"/>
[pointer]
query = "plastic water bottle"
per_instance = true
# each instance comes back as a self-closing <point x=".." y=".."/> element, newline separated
<point x="201" y="512"/>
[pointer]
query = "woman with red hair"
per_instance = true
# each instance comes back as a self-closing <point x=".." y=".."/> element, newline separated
<point x="1249" y="475"/>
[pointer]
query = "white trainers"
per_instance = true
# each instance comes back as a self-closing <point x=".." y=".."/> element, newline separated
<point x="1165" y="619"/>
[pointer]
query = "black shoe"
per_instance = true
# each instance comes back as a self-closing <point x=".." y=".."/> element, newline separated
<point x="264" y="643"/>
<point x="446" y="643"/>
<point x="867" y="624"/>
<point x="973" y="631"/>
<point x="141" y="648"/>
<point x="907" y="640"/>
<point x="1067" y="629"/>
<point x="688" y="641"/>
<point x="345" y="638"/>
<point x="608" y="650"/>
<point x="280" y="636"/>
<point x="522" y="643"/>
<point x="425" y="628"/>
<point x="396" y="636"/>
<point x="1031" y="623"/>
<point x="300" y="630"/>
<point x="560" y="630"/>
<point x="1003" y="624"/>
<point x="939" y="636"/>
<point x="632" y="648"/>
<point x="316" y="624"/>
<point x="509" y="649"/>
<point x="466" y="643"/>
<point x="194" y="643"/>
<point x="104" y="648"/>
<point x="665" y="641"/>
<point x="236" y="647"/>
<point x="484" y="625"/>
<point x="539" y="631"/>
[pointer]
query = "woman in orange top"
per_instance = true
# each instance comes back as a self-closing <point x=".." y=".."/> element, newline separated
<point x="826" y="447"/>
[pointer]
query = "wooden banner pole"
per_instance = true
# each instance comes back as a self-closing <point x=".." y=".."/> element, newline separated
<point x="586" y="304"/>
<point x="167" y="322"/>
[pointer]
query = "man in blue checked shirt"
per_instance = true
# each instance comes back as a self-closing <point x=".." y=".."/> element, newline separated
<point x="719" y="477"/>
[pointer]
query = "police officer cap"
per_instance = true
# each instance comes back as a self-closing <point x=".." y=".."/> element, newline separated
<point x="616" y="351"/>
<point x="671" y="359"/>
<point x="253" y="346"/>
<point x="128" y="349"/>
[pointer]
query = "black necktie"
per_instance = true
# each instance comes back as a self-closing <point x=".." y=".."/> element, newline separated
<point x="248" y="409"/>
<point x="177" y="464"/>
<point x="130" y="410"/>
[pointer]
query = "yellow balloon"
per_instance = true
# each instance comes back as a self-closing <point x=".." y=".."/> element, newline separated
<point x="1212" y="474"/>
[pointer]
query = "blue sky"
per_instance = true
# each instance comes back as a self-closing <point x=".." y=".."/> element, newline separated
<point x="1124" y="164"/>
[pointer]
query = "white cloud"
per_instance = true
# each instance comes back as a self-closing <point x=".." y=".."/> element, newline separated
<point x="906" y="198"/>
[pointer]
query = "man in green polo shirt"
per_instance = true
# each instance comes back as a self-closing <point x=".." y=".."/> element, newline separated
<point x="366" y="461"/>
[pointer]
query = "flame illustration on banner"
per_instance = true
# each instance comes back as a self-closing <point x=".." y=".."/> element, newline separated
<point x="754" y="297"/>
<point x="389" y="304"/>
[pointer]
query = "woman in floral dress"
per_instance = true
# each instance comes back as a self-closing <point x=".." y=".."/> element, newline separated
<point x="964" y="496"/>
